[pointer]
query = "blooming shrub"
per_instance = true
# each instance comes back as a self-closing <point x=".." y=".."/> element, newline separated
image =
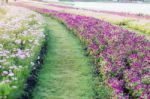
<point x="21" y="38"/>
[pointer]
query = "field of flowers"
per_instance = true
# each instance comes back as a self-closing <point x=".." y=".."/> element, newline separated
<point x="138" y="22"/>
<point x="21" y="39"/>
<point x="122" y="57"/>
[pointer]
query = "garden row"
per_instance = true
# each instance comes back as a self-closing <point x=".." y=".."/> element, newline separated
<point x="21" y="39"/>
<point x="122" y="57"/>
<point x="136" y="22"/>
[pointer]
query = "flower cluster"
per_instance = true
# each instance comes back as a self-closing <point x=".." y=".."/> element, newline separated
<point x="21" y="37"/>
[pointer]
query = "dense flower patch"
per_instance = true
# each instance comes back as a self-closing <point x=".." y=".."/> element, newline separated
<point x="21" y="38"/>
<point x="123" y="57"/>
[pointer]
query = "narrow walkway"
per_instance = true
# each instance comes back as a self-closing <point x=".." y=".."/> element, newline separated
<point x="66" y="73"/>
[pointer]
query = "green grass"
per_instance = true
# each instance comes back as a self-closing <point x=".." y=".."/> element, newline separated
<point x="66" y="73"/>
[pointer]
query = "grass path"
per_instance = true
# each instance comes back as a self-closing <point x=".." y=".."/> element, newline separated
<point x="66" y="73"/>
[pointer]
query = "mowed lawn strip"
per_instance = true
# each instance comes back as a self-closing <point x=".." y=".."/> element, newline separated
<point x="66" y="73"/>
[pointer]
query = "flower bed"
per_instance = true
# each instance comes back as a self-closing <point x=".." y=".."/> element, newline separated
<point x="122" y="57"/>
<point x="21" y="39"/>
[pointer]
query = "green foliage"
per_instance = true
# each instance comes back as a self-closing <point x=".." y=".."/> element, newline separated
<point x="146" y="80"/>
<point x="143" y="27"/>
<point x="103" y="91"/>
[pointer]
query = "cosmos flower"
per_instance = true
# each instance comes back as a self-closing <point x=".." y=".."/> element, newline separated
<point x="19" y="42"/>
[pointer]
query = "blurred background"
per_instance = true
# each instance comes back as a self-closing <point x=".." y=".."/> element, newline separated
<point x="131" y="6"/>
<point x="135" y="1"/>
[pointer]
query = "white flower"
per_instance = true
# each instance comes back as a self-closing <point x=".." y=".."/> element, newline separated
<point x="11" y="74"/>
<point x="5" y="72"/>
<point x="18" y="41"/>
<point x="7" y="81"/>
<point x="21" y="54"/>
<point x="14" y="67"/>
